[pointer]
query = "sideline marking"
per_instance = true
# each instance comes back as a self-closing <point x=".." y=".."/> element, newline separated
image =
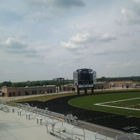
<point x="102" y="104"/>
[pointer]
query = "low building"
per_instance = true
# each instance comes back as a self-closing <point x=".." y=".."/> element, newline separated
<point x="121" y="84"/>
<point x="21" y="91"/>
<point x="101" y="85"/>
<point x="113" y="84"/>
<point x="67" y="87"/>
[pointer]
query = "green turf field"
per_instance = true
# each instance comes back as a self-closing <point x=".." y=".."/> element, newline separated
<point x="127" y="103"/>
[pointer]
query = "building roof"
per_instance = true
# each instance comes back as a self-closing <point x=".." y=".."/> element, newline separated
<point x="30" y="87"/>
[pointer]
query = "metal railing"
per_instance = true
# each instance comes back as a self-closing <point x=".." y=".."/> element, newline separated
<point x="70" y="119"/>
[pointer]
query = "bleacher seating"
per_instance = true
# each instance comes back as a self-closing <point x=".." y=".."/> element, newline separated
<point x="60" y="105"/>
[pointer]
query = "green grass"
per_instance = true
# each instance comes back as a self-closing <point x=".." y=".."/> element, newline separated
<point x="89" y="101"/>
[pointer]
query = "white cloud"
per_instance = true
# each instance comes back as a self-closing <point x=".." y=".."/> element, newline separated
<point x="131" y="15"/>
<point x="111" y="64"/>
<point x="107" y="37"/>
<point x="43" y="34"/>
<point x="128" y="64"/>
<point x="122" y="65"/>
<point x="14" y="44"/>
<point x="86" y="39"/>
<point x="82" y="38"/>
<point x="69" y="45"/>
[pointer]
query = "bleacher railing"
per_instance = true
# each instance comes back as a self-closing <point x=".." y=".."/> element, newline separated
<point x="69" y="118"/>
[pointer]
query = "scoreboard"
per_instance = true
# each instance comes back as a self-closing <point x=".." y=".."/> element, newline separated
<point x="84" y="78"/>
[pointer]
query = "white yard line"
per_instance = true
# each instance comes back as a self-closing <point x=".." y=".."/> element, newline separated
<point x="116" y="101"/>
<point x="102" y="104"/>
<point x="119" y="107"/>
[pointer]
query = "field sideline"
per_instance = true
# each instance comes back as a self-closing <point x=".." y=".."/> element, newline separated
<point x="118" y="103"/>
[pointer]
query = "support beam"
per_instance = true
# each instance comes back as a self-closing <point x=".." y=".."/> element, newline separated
<point x="78" y="91"/>
<point x="85" y="90"/>
<point x="92" y="90"/>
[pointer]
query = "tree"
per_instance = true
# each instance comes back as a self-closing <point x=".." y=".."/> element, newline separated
<point x="7" y="84"/>
<point x="102" y="79"/>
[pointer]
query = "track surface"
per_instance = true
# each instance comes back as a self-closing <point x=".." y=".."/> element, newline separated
<point x="60" y="105"/>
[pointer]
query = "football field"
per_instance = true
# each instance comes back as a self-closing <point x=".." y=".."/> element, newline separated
<point x="127" y="103"/>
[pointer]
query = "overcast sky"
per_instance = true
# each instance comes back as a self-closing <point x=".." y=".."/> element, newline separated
<point x="46" y="39"/>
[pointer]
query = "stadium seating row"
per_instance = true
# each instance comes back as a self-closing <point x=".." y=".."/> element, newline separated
<point x="119" y="122"/>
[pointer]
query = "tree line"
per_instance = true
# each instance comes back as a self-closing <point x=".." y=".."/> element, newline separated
<point x="34" y="83"/>
<point x="108" y="79"/>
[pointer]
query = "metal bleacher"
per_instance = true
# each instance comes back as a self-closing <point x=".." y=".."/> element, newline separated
<point x="59" y="126"/>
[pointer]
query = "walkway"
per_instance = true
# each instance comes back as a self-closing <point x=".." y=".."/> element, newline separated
<point x="16" y="127"/>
